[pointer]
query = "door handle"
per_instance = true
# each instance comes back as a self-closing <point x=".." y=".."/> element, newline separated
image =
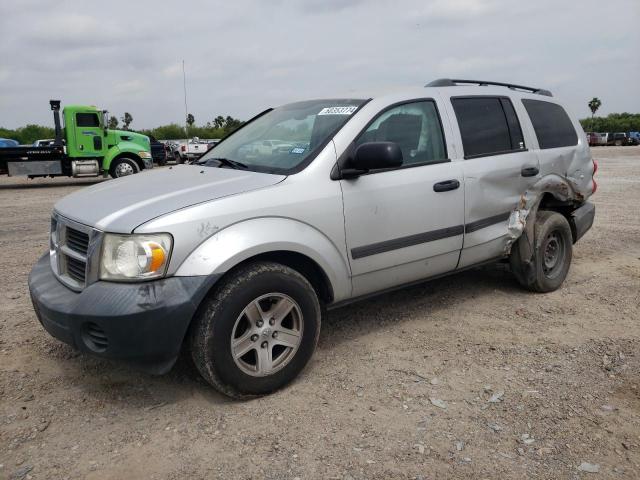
<point x="446" y="186"/>
<point x="529" y="171"/>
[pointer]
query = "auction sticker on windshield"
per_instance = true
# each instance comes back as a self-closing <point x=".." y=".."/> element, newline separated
<point x="348" y="110"/>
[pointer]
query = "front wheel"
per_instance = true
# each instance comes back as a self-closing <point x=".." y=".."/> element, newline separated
<point x="257" y="331"/>
<point x="552" y="253"/>
<point x="123" y="167"/>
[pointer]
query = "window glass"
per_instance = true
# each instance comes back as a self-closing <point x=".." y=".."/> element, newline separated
<point x="286" y="138"/>
<point x="551" y="123"/>
<point x="415" y="127"/>
<point x="483" y="126"/>
<point x="87" y="120"/>
<point x="517" y="142"/>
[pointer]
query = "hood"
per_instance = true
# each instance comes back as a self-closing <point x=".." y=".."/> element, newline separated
<point x="122" y="204"/>
<point x="119" y="136"/>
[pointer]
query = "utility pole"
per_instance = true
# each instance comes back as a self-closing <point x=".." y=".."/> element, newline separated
<point x="186" y="110"/>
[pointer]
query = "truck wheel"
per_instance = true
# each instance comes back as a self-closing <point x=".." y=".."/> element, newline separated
<point x="123" y="167"/>
<point x="257" y="331"/>
<point x="552" y="254"/>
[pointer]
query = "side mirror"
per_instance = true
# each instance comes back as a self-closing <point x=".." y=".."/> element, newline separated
<point x="373" y="156"/>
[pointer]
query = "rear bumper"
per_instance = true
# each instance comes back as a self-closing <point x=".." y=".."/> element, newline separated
<point x="143" y="323"/>
<point x="582" y="220"/>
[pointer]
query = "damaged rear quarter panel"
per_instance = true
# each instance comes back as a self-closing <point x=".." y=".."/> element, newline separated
<point x="566" y="173"/>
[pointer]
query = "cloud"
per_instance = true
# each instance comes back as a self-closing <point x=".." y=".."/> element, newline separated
<point x="243" y="56"/>
<point x="130" y="87"/>
<point x="461" y="66"/>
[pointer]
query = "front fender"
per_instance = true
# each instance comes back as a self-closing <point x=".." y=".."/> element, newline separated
<point x="241" y="241"/>
<point x="130" y="148"/>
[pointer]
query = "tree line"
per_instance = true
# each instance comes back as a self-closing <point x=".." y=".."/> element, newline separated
<point x="614" y="122"/>
<point x="219" y="127"/>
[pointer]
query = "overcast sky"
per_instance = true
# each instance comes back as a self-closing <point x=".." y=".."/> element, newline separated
<point x="242" y="56"/>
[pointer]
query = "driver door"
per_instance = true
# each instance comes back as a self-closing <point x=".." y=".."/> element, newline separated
<point x="405" y="224"/>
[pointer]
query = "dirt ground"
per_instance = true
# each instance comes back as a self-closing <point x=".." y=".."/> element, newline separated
<point x="463" y="377"/>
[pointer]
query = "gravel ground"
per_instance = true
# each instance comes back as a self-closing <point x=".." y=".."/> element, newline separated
<point x="464" y="377"/>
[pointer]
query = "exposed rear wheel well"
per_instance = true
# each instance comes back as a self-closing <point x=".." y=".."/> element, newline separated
<point x="550" y="202"/>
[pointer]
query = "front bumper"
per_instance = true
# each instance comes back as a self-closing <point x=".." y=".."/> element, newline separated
<point x="141" y="323"/>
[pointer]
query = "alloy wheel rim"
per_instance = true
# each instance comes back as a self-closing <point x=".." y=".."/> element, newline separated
<point x="267" y="334"/>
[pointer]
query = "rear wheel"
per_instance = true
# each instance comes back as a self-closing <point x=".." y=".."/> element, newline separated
<point x="552" y="253"/>
<point x="123" y="167"/>
<point x="257" y="331"/>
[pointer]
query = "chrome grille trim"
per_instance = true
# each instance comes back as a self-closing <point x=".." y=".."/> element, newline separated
<point x="73" y="251"/>
<point x="77" y="240"/>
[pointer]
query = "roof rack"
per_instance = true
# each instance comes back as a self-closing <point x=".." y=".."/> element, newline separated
<point x="450" y="82"/>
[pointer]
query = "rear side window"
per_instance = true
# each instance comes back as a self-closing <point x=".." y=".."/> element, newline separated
<point x="551" y="123"/>
<point x="488" y="125"/>
<point x="87" y="120"/>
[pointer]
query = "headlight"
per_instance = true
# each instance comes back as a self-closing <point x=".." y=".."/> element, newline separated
<point x="144" y="154"/>
<point x="135" y="257"/>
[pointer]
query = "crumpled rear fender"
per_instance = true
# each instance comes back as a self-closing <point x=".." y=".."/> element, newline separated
<point x="522" y="219"/>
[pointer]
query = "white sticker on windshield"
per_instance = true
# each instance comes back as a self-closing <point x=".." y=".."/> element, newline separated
<point x="338" y="110"/>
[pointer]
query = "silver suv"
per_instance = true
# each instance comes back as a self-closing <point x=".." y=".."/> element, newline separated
<point x="236" y="257"/>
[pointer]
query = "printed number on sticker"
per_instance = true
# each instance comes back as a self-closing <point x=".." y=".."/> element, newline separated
<point x="338" y="110"/>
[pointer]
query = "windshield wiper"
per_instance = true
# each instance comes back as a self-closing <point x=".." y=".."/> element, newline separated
<point x="227" y="163"/>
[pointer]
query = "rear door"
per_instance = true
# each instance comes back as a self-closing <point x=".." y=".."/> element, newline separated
<point x="498" y="169"/>
<point x="404" y="224"/>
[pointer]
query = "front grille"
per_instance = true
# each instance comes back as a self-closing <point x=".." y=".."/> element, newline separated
<point x="76" y="269"/>
<point x="95" y="337"/>
<point x="77" y="240"/>
<point x="72" y="248"/>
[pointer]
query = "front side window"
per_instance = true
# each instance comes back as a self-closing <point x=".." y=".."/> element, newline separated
<point x="415" y="127"/>
<point x="551" y="123"/>
<point x="284" y="139"/>
<point x="488" y="126"/>
<point x="87" y="120"/>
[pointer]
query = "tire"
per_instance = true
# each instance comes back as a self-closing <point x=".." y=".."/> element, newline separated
<point x="123" y="167"/>
<point x="553" y="248"/>
<point x="236" y="318"/>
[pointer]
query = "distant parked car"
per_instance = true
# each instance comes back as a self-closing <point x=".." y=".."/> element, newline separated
<point x="602" y="138"/>
<point x="634" y="138"/>
<point x="44" y="143"/>
<point x="593" y="138"/>
<point x="618" y="139"/>
<point x="191" y="150"/>
<point x="158" y="151"/>
<point x="8" y="143"/>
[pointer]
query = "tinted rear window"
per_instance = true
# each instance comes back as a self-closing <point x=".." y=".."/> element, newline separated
<point x="488" y="125"/>
<point x="551" y="123"/>
<point x="87" y="120"/>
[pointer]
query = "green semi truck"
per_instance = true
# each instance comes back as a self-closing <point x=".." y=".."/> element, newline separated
<point x="83" y="147"/>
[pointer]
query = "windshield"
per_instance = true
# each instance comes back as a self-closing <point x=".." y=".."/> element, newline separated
<point x="285" y="139"/>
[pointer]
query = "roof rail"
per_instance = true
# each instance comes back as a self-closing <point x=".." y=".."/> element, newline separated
<point x="450" y="82"/>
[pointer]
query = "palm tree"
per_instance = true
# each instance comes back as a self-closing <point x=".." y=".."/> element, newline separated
<point x="594" y="105"/>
